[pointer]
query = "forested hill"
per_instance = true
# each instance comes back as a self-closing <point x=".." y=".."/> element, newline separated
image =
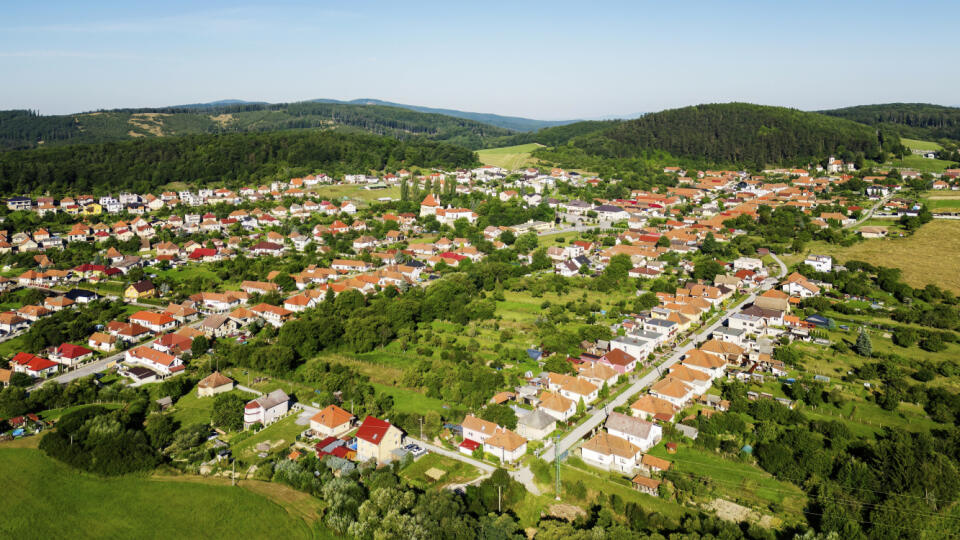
<point x="912" y="120"/>
<point x="735" y="133"/>
<point x="144" y="165"/>
<point x="557" y="135"/>
<point x="25" y="129"/>
<point x="515" y="123"/>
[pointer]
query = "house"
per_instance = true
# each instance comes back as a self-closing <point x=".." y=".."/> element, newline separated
<point x="650" y="406"/>
<point x="536" y="425"/>
<point x="332" y="421"/>
<point x="213" y="384"/>
<point x="640" y="432"/>
<point x="5" y="375"/>
<point x="155" y="322"/>
<point x="128" y="332"/>
<point x="33" y="366"/>
<point x="573" y="388"/>
<point x="477" y="429"/>
<point x="611" y="453"/>
<point x="274" y="315"/>
<point x="873" y="232"/>
<point x="102" y="342"/>
<point x="647" y="485"/>
<point x="711" y="364"/>
<point x="673" y="390"/>
<point x="599" y="374"/>
<point x="377" y="439"/>
<point x="161" y="362"/>
<point x="557" y="406"/>
<point x="506" y="445"/>
<point x="217" y="326"/>
<point x="267" y="409"/>
<point x="820" y="263"/>
<point x="624" y="352"/>
<point x="12" y="322"/>
<point x="694" y="378"/>
<point x="69" y="354"/>
<point x="140" y="290"/>
<point x="654" y="464"/>
<point x="798" y="285"/>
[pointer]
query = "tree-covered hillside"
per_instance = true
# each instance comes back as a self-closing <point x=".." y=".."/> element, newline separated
<point x="913" y="120"/>
<point x="145" y="164"/>
<point x="557" y="135"/>
<point x="735" y="133"/>
<point x="27" y="129"/>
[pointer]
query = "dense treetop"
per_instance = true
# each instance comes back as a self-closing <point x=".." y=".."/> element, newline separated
<point x="735" y="133"/>
<point x="143" y="165"/>
<point x="916" y="120"/>
<point x="25" y="129"/>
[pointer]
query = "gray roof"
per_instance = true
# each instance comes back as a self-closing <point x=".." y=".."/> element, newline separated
<point x="273" y="399"/>
<point x="629" y="424"/>
<point x="727" y="331"/>
<point x="537" y="420"/>
<point x="688" y="431"/>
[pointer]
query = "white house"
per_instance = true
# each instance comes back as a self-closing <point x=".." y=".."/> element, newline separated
<point x="506" y="445"/>
<point x="820" y="263"/>
<point x="612" y="453"/>
<point x="557" y="406"/>
<point x="266" y="409"/>
<point x="536" y="425"/>
<point x="640" y="432"/>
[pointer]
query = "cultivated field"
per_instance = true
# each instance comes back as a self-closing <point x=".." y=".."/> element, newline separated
<point x="931" y="255"/>
<point x="509" y="157"/>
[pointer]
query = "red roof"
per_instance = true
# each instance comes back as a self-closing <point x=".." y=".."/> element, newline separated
<point x="200" y="253"/>
<point x="69" y="350"/>
<point x="455" y="256"/>
<point x="470" y="445"/>
<point x="33" y="363"/>
<point x="372" y="430"/>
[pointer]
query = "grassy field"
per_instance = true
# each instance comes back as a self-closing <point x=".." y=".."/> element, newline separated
<point x="191" y="409"/>
<point x="356" y="192"/>
<point x="941" y="201"/>
<point x="410" y="401"/>
<point x="914" y="144"/>
<point x="458" y="472"/>
<point x="509" y="157"/>
<point x="53" y="498"/>
<point x="280" y="434"/>
<point x="919" y="163"/>
<point x="930" y="255"/>
<point x="734" y="480"/>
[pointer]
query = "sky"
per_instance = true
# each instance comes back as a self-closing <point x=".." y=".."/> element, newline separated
<point x="546" y="60"/>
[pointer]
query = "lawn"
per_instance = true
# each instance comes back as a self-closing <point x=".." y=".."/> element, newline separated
<point x="930" y="255"/>
<point x="191" y="409"/>
<point x="279" y="434"/>
<point x="734" y="480"/>
<point x="61" y="499"/>
<point x="458" y="472"/>
<point x="356" y="192"/>
<point x="410" y="401"/>
<point x="509" y="157"/>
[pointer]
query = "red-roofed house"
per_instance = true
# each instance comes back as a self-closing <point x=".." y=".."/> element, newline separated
<point x="377" y="439"/>
<point x="33" y="366"/>
<point x="161" y="362"/>
<point x="69" y="354"/>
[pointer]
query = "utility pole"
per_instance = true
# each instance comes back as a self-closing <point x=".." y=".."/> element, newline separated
<point x="233" y="473"/>
<point x="499" y="510"/>
<point x="421" y="428"/>
<point x="556" y="459"/>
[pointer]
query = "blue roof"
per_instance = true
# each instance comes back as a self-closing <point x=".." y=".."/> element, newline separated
<point x="534" y="354"/>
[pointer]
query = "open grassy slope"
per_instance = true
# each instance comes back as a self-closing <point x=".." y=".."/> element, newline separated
<point x="509" y="157"/>
<point x="51" y="500"/>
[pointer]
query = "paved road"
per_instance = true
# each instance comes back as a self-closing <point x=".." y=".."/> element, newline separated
<point x="98" y="365"/>
<point x="870" y="212"/>
<point x="485" y="467"/>
<point x="600" y="414"/>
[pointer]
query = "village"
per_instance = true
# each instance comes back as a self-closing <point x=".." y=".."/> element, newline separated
<point x="609" y="405"/>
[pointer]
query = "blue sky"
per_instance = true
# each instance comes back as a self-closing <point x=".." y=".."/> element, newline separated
<point x="549" y="60"/>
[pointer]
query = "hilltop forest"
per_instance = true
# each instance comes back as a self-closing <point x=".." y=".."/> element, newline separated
<point x="913" y="120"/>
<point x="146" y="164"/>
<point x="26" y="129"/>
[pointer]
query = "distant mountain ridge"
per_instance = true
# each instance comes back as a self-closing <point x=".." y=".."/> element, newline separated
<point x="514" y="123"/>
<point x="912" y="120"/>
